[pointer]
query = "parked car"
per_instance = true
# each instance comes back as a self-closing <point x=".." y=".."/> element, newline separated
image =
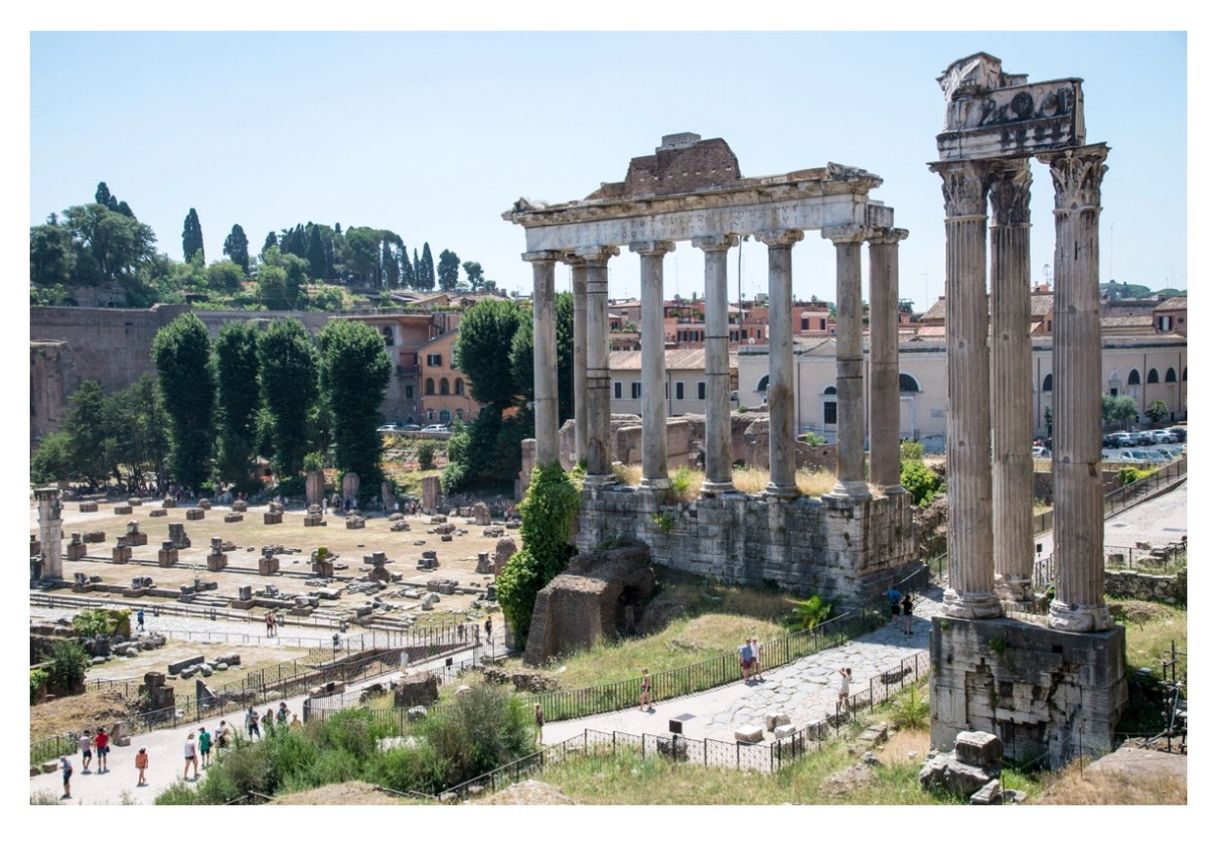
<point x="1164" y="437"/>
<point x="1144" y="438"/>
<point x="387" y="428"/>
<point x="411" y="428"/>
<point x="436" y="428"/>
<point x="1111" y="441"/>
<point x="1180" y="433"/>
<point x="1126" y="440"/>
<point x="1040" y="451"/>
<point x="1136" y="456"/>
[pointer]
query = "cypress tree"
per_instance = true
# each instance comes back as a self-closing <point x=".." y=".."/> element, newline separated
<point x="427" y="277"/>
<point x="237" y="248"/>
<point x="192" y="236"/>
<point x="317" y="254"/>
<point x="270" y="242"/>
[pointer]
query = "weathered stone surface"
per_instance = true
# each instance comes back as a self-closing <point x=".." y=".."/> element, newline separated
<point x="158" y="513"/>
<point x="978" y="748"/>
<point x="233" y="518"/>
<point x="180" y="665"/>
<point x="351" y="483"/>
<point x="417" y="689"/>
<point x="481" y="514"/>
<point x="195" y="514"/>
<point x="750" y="733"/>
<point x="315" y="487"/>
<point x="773" y="720"/>
<point x="588" y="601"/>
<point x="782" y="731"/>
<point x="989" y="794"/>
<point x="431" y="494"/>
<point x="355" y="522"/>
<point x="272" y="517"/>
<point x="1164" y="589"/>
<point x="88" y="506"/>
<point x="93" y="536"/>
<point x="177" y="535"/>
<point x="122" y="509"/>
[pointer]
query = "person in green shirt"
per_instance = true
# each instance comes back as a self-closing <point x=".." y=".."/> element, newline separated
<point x="205" y="746"/>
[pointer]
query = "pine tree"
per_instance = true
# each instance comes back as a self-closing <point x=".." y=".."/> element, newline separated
<point x="270" y="242"/>
<point x="427" y="277"/>
<point x="317" y="254"/>
<point x="417" y="272"/>
<point x="104" y="197"/>
<point x="192" y="237"/>
<point x="448" y="271"/>
<point x="237" y="248"/>
<point x="406" y="269"/>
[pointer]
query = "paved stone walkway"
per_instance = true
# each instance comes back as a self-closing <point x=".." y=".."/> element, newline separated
<point x="806" y="690"/>
<point x="1160" y="520"/>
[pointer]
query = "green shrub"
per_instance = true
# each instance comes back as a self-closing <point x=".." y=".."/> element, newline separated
<point x="66" y="672"/>
<point x="485" y="728"/>
<point x="911" y="709"/>
<point x="813" y="439"/>
<point x="290" y="487"/>
<point x="417" y="768"/>
<point x="53" y="459"/>
<point x="1130" y="475"/>
<point x="681" y="481"/>
<point x="180" y="793"/>
<point x="807" y="614"/>
<point x="547" y="516"/>
<point x="103" y="622"/>
<point x="426" y="455"/>
<point x="921" y="483"/>
<point x="38" y="682"/>
<point x="315" y="461"/>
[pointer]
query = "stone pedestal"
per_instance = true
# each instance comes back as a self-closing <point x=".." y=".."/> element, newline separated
<point x="169" y="503"/>
<point x="177" y="535"/>
<point x="240" y="506"/>
<point x="158" y="513"/>
<point x="204" y="504"/>
<point x="217" y="562"/>
<point x="272" y="518"/>
<point x="135" y="537"/>
<point x="122" y="509"/>
<point x="1040" y="691"/>
<point x="120" y="554"/>
<point x="94" y="536"/>
<point x="88" y="506"/>
<point x="135" y="501"/>
<point x="355" y="522"/>
<point x="233" y="518"/>
<point x="167" y="555"/>
<point x="76" y="548"/>
<point x="194" y="514"/>
<point x="268" y="565"/>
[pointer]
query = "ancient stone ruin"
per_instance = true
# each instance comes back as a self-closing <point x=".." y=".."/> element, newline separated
<point x="846" y="543"/>
<point x="431" y="494"/>
<point x="177" y="535"/>
<point x="1055" y="689"/>
<point x="314" y="517"/>
<point x="168" y="554"/>
<point x="273" y="514"/>
<point x="76" y="548"/>
<point x="600" y="594"/>
<point x="268" y="563"/>
<point x="135" y="537"/>
<point x="217" y="559"/>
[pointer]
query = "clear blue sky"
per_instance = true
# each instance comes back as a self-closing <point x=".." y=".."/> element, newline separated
<point x="435" y="135"/>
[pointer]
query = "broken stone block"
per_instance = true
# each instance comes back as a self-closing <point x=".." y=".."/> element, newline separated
<point x="158" y="513"/>
<point x="177" y="535"/>
<point x="773" y="720"/>
<point x="204" y="504"/>
<point x="355" y="522"/>
<point x="194" y="514"/>
<point x="135" y="502"/>
<point x="233" y="518"/>
<point x="169" y="503"/>
<point x="122" y="509"/>
<point x="92" y="536"/>
<point x="484" y="565"/>
<point x="749" y="733"/>
<point x="782" y="731"/>
<point x="240" y="506"/>
<point x="272" y="517"/>
<point x="88" y="506"/>
<point x="120" y="554"/>
<point x="978" y="748"/>
<point x="76" y="548"/>
<point x="167" y="555"/>
<point x="987" y="795"/>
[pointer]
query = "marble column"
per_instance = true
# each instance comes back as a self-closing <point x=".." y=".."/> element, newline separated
<point x="1011" y="377"/>
<point x="579" y="345"/>
<point x="970" y="537"/>
<point x="655" y="418"/>
<point x="1078" y="495"/>
<point x="718" y="377"/>
<point x="600" y="458"/>
<point x="50" y="529"/>
<point x="780" y="393"/>
<point x="884" y="422"/>
<point x="851" y="481"/>
<point x="545" y="356"/>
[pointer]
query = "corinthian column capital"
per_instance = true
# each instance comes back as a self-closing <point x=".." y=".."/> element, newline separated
<point x="542" y="256"/>
<point x="598" y="255"/>
<point x="712" y="244"/>
<point x="1077" y="174"/>
<point x="652" y="248"/>
<point x="1010" y="192"/>
<point x="780" y="238"/>
<point x="964" y="186"/>
<point x="844" y="233"/>
<point x="886" y="235"/>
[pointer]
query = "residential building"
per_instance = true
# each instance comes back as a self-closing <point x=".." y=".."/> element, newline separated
<point x="684" y="381"/>
<point x="444" y="393"/>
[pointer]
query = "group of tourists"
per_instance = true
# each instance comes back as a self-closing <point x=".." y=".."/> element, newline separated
<point x="750" y="660"/>
<point x="901" y="609"/>
<point x="91" y="745"/>
<point x="272" y="624"/>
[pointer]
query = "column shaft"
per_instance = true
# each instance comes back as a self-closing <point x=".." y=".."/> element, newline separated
<point x="600" y="459"/>
<point x="970" y="539"/>
<point x="1011" y="375"/>
<point x="655" y="419"/>
<point x="579" y="283"/>
<point x="545" y="358"/>
<point x="1078" y="495"/>
<point x="851" y="480"/>
<point x="885" y="419"/>
<point x="780" y="393"/>
<point x="718" y="378"/>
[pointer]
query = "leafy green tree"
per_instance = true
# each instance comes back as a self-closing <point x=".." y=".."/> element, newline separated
<point x="418" y="281"/>
<point x="287" y="376"/>
<point x="807" y="614"/>
<point x="273" y="285"/>
<point x="52" y="257"/>
<point x="192" y="236"/>
<point x="108" y="245"/>
<point x="354" y="375"/>
<point x="224" y="276"/>
<point x="237" y="248"/>
<point x="237" y="379"/>
<point x="362" y="253"/>
<point x="547" y="519"/>
<point x="271" y="241"/>
<point x="485" y="451"/>
<point x="103" y="196"/>
<point x="317" y="254"/>
<point x="483" y="351"/>
<point x="407" y="270"/>
<point x="182" y="353"/>
<point x="426" y="275"/>
<point x="85" y="426"/>
<point x="137" y="432"/>
<point x="1157" y="412"/>
<point x="389" y="266"/>
<point x="66" y="671"/>
<point x="1119" y="412"/>
<point x="521" y="355"/>
<point x="52" y="460"/>
<point x="448" y="270"/>
<point x="473" y="273"/>
<point x="921" y="483"/>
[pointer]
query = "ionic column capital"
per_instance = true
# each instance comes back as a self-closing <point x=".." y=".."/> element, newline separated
<point x="652" y="248"/>
<point x="964" y="185"/>
<point x="713" y="244"/>
<point x="543" y="256"/>
<point x="1077" y="174"/>
<point x="780" y="238"/>
<point x="574" y="261"/>
<point x="1010" y="184"/>
<point x="886" y="235"/>
<point x="845" y="233"/>
<point x="596" y="255"/>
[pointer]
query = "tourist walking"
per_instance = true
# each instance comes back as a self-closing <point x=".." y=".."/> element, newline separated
<point x="843" y="692"/>
<point x="101" y="744"/>
<point x="269" y="618"/>
<point x="204" y="747"/>
<point x="894" y="602"/>
<point x="192" y="757"/>
<point x="268" y="720"/>
<point x="281" y="717"/>
<point x="645" y="692"/>
<point x="139" y="619"/>
<point x="221" y="737"/>
<point x="907" y="606"/>
<point x="66" y="767"/>
<point x="539" y="720"/>
<point x="746" y="660"/>
<point x="251" y="724"/>
<point x="488" y="630"/>
<point x="141" y="765"/>
<point x="86" y="751"/>
<point x="756" y="666"/>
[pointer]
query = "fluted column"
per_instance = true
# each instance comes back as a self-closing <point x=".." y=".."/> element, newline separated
<point x="579" y="345"/>
<point x="970" y="537"/>
<point x="50" y="529"/>
<point x="884" y="423"/>
<point x="545" y="356"/>
<point x="780" y="394"/>
<point x="851" y="481"/>
<point x="651" y="305"/>
<point x="1078" y="495"/>
<point x="718" y="378"/>
<point x="1011" y="378"/>
<point x="600" y="460"/>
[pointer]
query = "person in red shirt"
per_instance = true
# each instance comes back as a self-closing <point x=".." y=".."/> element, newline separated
<point x="101" y="744"/>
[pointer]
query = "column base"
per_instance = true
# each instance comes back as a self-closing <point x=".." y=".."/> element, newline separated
<point x="782" y="492"/>
<point x="1079" y="618"/>
<point x="1015" y="590"/>
<point x="855" y="490"/>
<point x="894" y="489"/>
<point x="599" y="481"/>
<point x="656" y="483"/>
<point x="971" y="604"/>
<point x="710" y="488"/>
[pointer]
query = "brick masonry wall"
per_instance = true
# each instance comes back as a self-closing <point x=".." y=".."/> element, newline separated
<point x="808" y="545"/>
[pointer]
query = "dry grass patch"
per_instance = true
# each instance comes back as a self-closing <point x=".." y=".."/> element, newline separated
<point x="896" y="749"/>
<point x="351" y="792"/>
<point x="76" y="712"/>
<point x="687" y="482"/>
<point x="1077" y="787"/>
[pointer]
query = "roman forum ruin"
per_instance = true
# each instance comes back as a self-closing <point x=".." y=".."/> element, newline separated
<point x="853" y="538"/>
<point x="1057" y="688"/>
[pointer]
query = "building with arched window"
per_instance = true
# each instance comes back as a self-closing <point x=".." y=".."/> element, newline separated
<point x="446" y="396"/>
